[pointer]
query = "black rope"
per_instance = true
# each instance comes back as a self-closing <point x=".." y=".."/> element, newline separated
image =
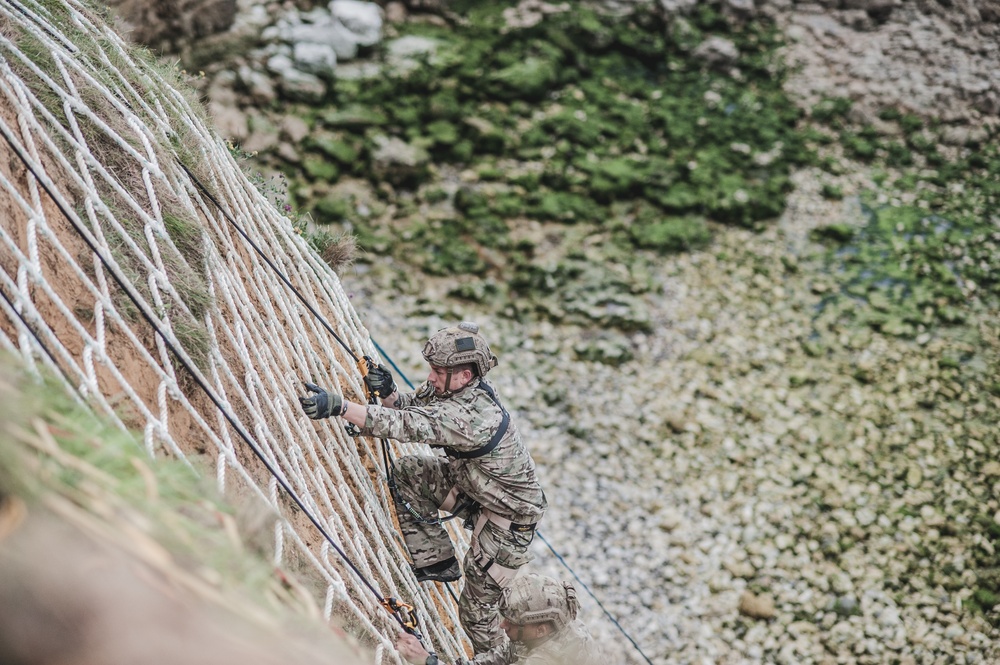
<point x="451" y="592"/>
<point x="393" y="365"/>
<point x="262" y="255"/>
<point x="179" y="354"/>
<point x="41" y="342"/>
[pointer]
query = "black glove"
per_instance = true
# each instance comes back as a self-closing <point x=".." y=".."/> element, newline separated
<point x="379" y="379"/>
<point x="322" y="404"/>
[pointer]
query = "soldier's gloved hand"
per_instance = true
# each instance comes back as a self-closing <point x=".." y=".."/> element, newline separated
<point x="379" y="380"/>
<point x="322" y="404"/>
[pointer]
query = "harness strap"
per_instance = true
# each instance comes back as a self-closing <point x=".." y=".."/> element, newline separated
<point x="486" y="515"/>
<point x="495" y="439"/>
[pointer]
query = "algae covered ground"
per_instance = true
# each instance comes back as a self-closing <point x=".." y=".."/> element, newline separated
<point x="569" y="155"/>
<point x="524" y="147"/>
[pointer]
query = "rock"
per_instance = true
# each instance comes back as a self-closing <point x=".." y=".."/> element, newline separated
<point x="327" y="32"/>
<point x="964" y="136"/>
<point x="717" y="51"/>
<point x="395" y="12"/>
<point x="404" y="54"/>
<point x="257" y="85"/>
<point x="318" y="59"/>
<point x="740" y="9"/>
<point x="296" y="85"/>
<point x="757" y="607"/>
<point x="230" y="121"/>
<point x="397" y="161"/>
<point x="294" y="128"/>
<point x="741" y="569"/>
<point x="529" y="13"/>
<point x="168" y="24"/>
<point x="362" y="19"/>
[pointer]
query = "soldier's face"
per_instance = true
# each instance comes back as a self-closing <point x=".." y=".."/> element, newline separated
<point x="528" y="633"/>
<point x="438" y="377"/>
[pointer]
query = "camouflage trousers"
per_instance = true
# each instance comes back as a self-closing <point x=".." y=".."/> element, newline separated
<point x="424" y="482"/>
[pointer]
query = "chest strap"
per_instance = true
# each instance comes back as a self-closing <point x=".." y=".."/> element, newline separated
<point x="495" y="439"/>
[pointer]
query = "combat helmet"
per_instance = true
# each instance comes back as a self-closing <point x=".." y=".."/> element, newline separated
<point x="459" y="345"/>
<point x="534" y="598"/>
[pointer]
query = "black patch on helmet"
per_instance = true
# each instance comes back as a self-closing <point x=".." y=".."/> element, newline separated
<point x="465" y="344"/>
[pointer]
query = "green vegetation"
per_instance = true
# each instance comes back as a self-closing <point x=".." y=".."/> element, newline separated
<point x="603" y="124"/>
<point x="71" y="452"/>
<point x="914" y="267"/>
<point x="114" y="144"/>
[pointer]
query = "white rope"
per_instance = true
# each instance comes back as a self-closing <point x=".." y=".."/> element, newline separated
<point x="262" y="341"/>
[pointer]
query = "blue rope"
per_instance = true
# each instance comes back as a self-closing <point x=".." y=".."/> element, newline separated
<point x="591" y="593"/>
<point x="382" y="353"/>
<point x="558" y="556"/>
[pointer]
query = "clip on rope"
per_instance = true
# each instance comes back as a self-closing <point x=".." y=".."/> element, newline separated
<point x="181" y="355"/>
<point x="404" y="614"/>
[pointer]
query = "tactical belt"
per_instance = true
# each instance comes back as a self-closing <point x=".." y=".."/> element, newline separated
<point x="495" y="440"/>
<point x="501" y="574"/>
<point x="506" y="524"/>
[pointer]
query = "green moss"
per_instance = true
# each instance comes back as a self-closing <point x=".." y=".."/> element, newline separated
<point x="435" y="195"/>
<point x="320" y="168"/>
<point x="577" y="115"/>
<point x="669" y="234"/>
<point x="333" y="208"/>
<point x="831" y="109"/>
<point x="562" y="206"/>
<point x="445" y="248"/>
<point x="839" y="233"/>
<point x="859" y="147"/>
<point x="832" y="192"/>
<point x="442" y="132"/>
<point x="342" y="151"/>
<point x="527" y="79"/>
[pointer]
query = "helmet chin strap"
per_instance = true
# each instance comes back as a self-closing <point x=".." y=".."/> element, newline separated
<point x="447" y="382"/>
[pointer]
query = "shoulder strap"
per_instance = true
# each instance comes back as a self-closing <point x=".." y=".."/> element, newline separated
<point x="495" y="439"/>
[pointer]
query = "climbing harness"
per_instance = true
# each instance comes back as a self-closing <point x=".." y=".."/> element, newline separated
<point x="467" y="505"/>
<point x="409" y="624"/>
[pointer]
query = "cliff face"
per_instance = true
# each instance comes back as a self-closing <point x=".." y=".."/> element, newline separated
<point x="140" y="266"/>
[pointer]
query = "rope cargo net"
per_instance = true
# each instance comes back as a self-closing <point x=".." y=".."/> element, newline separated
<point x="93" y="290"/>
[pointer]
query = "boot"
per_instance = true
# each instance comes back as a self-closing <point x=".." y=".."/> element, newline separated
<point x="442" y="571"/>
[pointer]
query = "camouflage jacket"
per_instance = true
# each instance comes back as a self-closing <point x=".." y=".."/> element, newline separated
<point x="572" y="645"/>
<point x="503" y="481"/>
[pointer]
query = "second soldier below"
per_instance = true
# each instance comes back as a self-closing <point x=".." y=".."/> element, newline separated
<point x="486" y="474"/>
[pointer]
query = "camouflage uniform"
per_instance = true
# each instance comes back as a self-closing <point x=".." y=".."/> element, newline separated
<point x="571" y="645"/>
<point x="503" y="483"/>
<point x="534" y="600"/>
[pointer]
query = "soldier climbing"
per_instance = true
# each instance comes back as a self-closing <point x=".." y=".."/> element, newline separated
<point x="486" y="477"/>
